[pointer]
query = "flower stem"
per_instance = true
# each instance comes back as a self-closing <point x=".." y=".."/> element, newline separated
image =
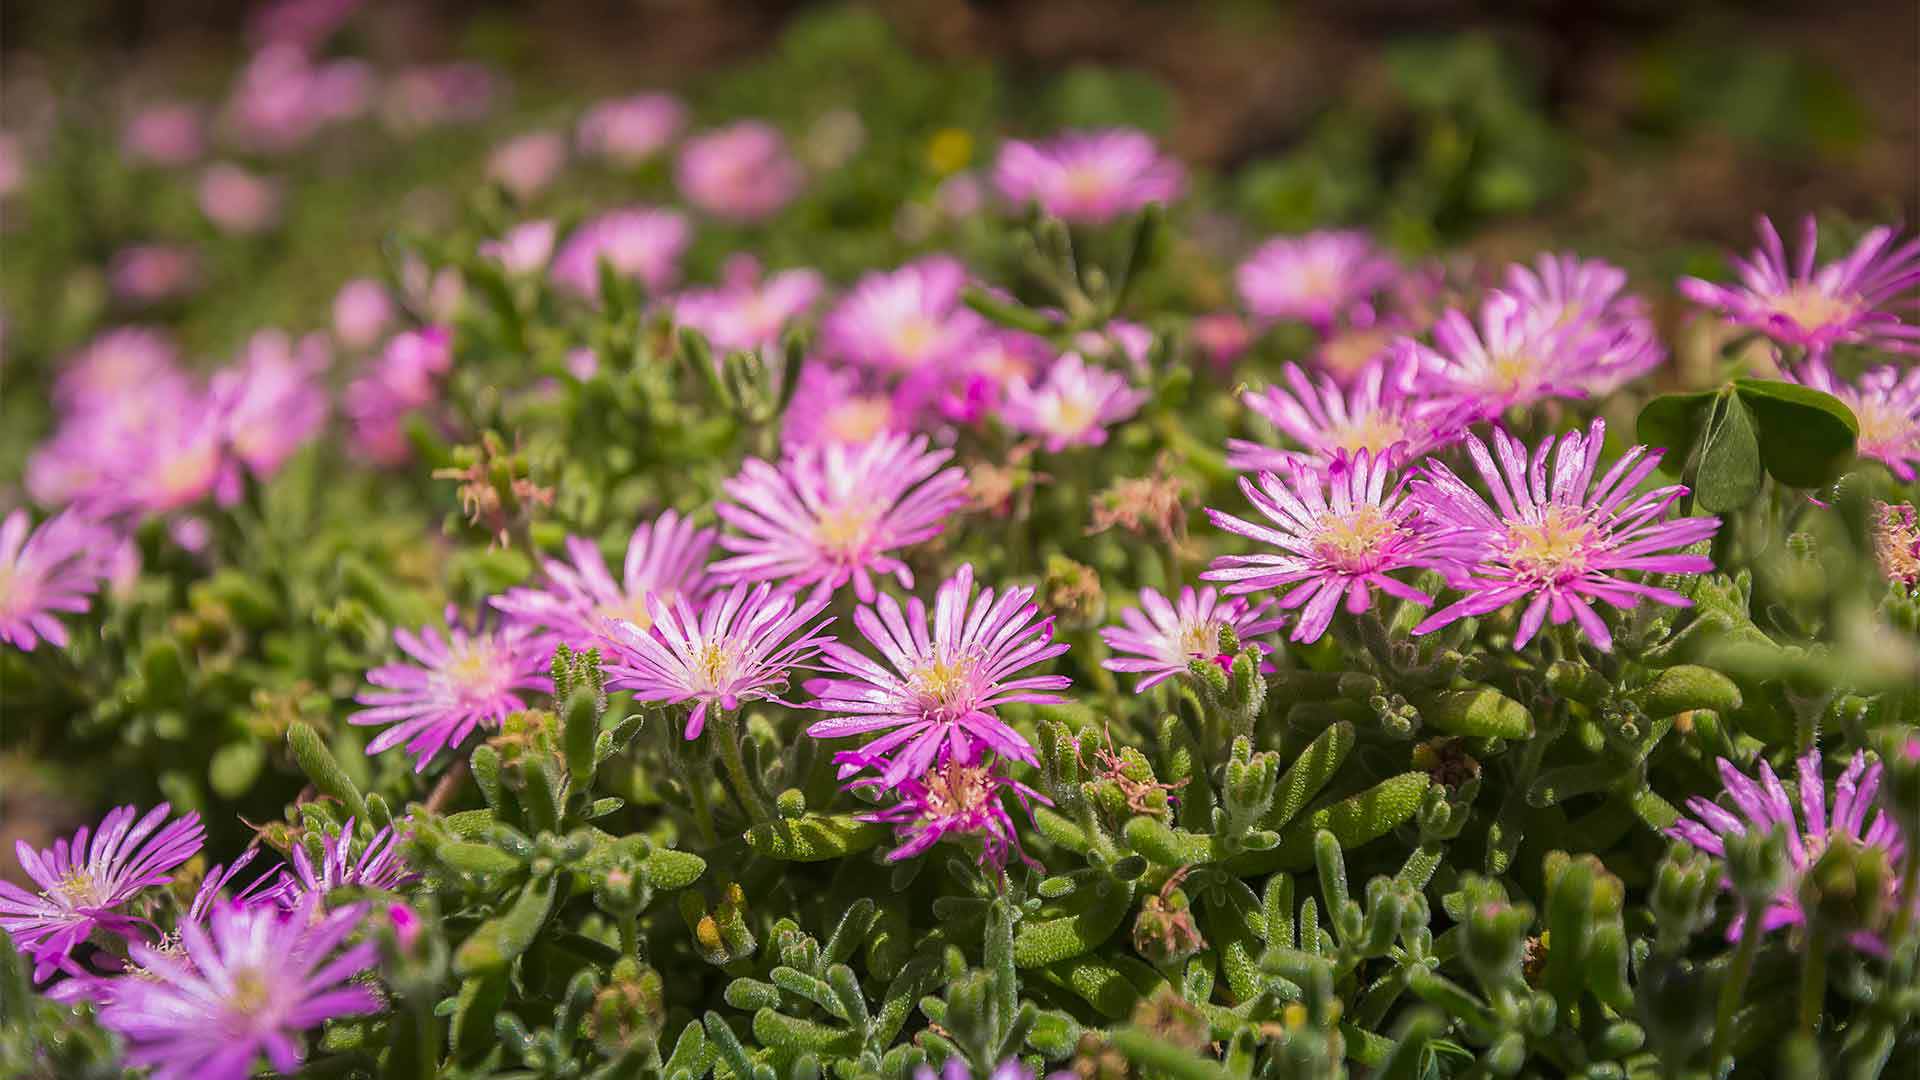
<point x="1813" y="981"/>
<point x="702" y="809"/>
<point x="1734" y="988"/>
<point x="727" y="732"/>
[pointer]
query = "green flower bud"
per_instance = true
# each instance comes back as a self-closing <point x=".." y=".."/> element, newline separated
<point x="1849" y="887"/>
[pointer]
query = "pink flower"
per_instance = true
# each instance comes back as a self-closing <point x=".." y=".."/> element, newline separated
<point x="403" y="380"/>
<point x="1073" y="406"/>
<point x="273" y="401"/>
<point x="361" y="312"/>
<point x="840" y="405"/>
<point x="168" y="134"/>
<point x="1885" y="401"/>
<point x="742" y="172"/>
<point x="666" y="559"/>
<point x="746" y="314"/>
<point x="1896" y="547"/>
<point x="378" y="866"/>
<point x="955" y="799"/>
<point x="630" y="130"/>
<point x="1588" y="293"/>
<point x="1222" y="338"/>
<point x="524" y="249"/>
<point x="281" y="98"/>
<point x="1316" y="278"/>
<point x="936" y="697"/>
<point x="151" y="273"/>
<point x="1341" y="532"/>
<point x="1165" y="639"/>
<point x="1523" y="353"/>
<point x="1381" y="411"/>
<point x="1852" y="300"/>
<point x="1088" y="177"/>
<point x="904" y="320"/>
<point x="86" y="886"/>
<point x="637" y="242"/>
<point x="428" y="96"/>
<point x="833" y="514"/>
<point x="115" y="367"/>
<point x="466" y="680"/>
<point x="740" y="648"/>
<point x="47" y="572"/>
<point x="526" y="164"/>
<point x="238" y="201"/>
<point x="1559" y="541"/>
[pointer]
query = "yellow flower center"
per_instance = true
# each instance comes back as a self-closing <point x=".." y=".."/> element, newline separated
<point x="1811" y="307"/>
<point x="1071" y="416"/>
<point x="1513" y="372"/>
<point x="1347" y="352"/>
<point x="1373" y="433"/>
<point x="859" y="419"/>
<point x="948" y="681"/>
<point x="184" y="475"/>
<point x="714" y="664"/>
<point x="633" y="608"/>
<point x="1353" y="543"/>
<point x="915" y="336"/>
<point x="1880" y="426"/>
<point x="1554" y="548"/>
<point x="1201" y="639"/>
<point x="953" y="790"/>
<point x="79" y="889"/>
<point x="1085" y="183"/>
<point x="844" y="530"/>
<point x="250" y="992"/>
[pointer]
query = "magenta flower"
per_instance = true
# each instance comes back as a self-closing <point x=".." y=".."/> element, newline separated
<point x="117" y="368"/>
<point x="273" y="401"/>
<point x="176" y="459"/>
<point x="1885" y="401"/>
<point x="1341" y="532"/>
<point x="1571" y="291"/>
<point x="1558" y="541"/>
<point x="638" y="242"/>
<point x="1073" y="406"/>
<point x="524" y="249"/>
<point x="746" y="314"/>
<point x="378" y="866"/>
<point x="1763" y="806"/>
<point x="832" y="514"/>
<point x="362" y="311"/>
<point x="168" y="134"/>
<point x="526" y="164"/>
<point x="1089" y="177"/>
<point x="1851" y="300"/>
<point x="1315" y="278"/>
<point x="954" y="799"/>
<point x="835" y="405"/>
<point x="1522" y="353"/>
<point x="152" y="273"/>
<point x="468" y="679"/>
<point x="904" y="320"/>
<point x="741" y="172"/>
<point x="630" y="130"/>
<point x="244" y="986"/>
<point x="85" y="886"/>
<point x="1381" y="410"/>
<point x="50" y="571"/>
<point x="1165" y="639"/>
<point x="281" y="99"/>
<point x="975" y="387"/>
<point x="238" y="201"/>
<point x="937" y="702"/>
<point x="404" y="380"/>
<point x="666" y="559"/>
<point x="1896" y="546"/>
<point x="739" y="648"/>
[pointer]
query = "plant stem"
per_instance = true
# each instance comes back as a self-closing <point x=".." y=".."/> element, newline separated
<point x="702" y="809"/>
<point x="443" y="791"/>
<point x="1734" y="987"/>
<point x="727" y="731"/>
<point x="1813" y="981"/>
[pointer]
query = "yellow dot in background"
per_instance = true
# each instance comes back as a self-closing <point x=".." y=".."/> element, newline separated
<point x="1294" y="1016"/>
<point x="949" y="150"/>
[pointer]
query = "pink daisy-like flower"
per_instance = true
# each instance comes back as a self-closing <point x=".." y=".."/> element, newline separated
<point x="378" y="866"/>
<point x="739" y="648"/>
<point x="1572" y="291"/>
<point x="746" y="314"/>
<point x="168" y="134"/>
<point x="180" y="458"/>
<point x="1851" y="300"/>
<point x="117" y="368"/>
<point x="1315" y="278"/>
<point x="1341" y="532"/>
<point x="632" y="129"/>
<point x="273" y="401"/>
<point x="402" y="381"/>
<point x="1520" y="354"/>
<point x="1763" y="806"/>
<point x="904" y="320"/>
<point x="834" y="404"/>
<point x="526" y="164"/>
<point x="1558" y="540"/>
<point x="1380" y="410"/>
<point x="237" y="201"/>
<point x="524" y="249"/>
<point x="85" y="886"/>
<point x="1896" y="544"/>
<point x="362" y="310"/>
<point x="47" y="572"/>
<point x="977" y="385"/>
<point x="243" y="987"/>
<point x="1088" y="177"/>
<point x="741" y="172"/>
<point x="832" y="514"/>
<point x="466" y="680"/>
<point x="1885" y="401"/>
<point x="937" y="702"/>
<point x="1158" y="639"/>
<point x="666" y="558"/>
<point x="955" y="799"/>
<point x="152" y="273"/>
<point x="638" y="242"/>
<point x="1073" y="406"/>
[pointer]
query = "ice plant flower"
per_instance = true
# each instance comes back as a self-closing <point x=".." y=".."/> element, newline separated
<point x="48" y="572"/>
<point x="740" y="648"/>
<point x="86" y="882"/>
<point x="168" y="134"/>
<point x="955" y="799"/>
<point x="638" y="242"/>
<point x="402" y="381"/>
<point x="453" y="684"/>
<point x="1341" y="531"/>
<point x="741" y="172"/>
<point x="244" y="986"/>
<point x="1379" y="410"/>
<point x="362" y="311"/>
<point x="1761" y="805"/>
<point x="1315" y="278"/>
<point x="1073" y="406"/>
<point x="1519" y="354"/>
<point x="1896" y="543"/>
<point x="524" y="249"/>
<point x="1852" y="300"/>
<point x="1159" y="639"/>
<point x="1558" y="539"/>
<point x="152" y="273"/>
<point x="378" y="866"/>
<point x="666" y="558"/>
<point x="1088" y="177"/>
<point x="1570" y="291"/>
<point x="905" y="319"/>
<point x="273" y="401"/>
<point x="746" y="314"/>
<point x="630" y="130"/>
<point x="237" y="201"/>
<point x="834" y="404"/>
<point x="1885" y="401"/>
<point x="935" y="697"/>
<point x="832" y="514"/>
<point x="116" y="368"/>
<point x="526" y="164"/>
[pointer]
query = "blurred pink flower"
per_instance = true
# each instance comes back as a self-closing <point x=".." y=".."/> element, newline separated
<point x="281" y="98"/>
<point x="435" y="94"/>
<point x="169" y="134"/>
<point x="630" y="130"/>
<point x="524" y="249"/>
<point x="273" y="401"/>
<point x="1073" y="406"/>
<point x="526" y="164"/>
<point x="1090" y="177"/>
<point x="638" y="242"/>
<point x="150" y="273"/>
<point x="741" y="172"/>
<point x="361" y="311"/>
<point x="747" y="313"/>
<point x="402" y="381"/>
<point x="238" y="201"/>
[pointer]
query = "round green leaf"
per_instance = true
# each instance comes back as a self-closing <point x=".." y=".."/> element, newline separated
<point x="1806" y="437"/>
<point x="1673" y="422"/>
<point x="1728" y="474"/>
